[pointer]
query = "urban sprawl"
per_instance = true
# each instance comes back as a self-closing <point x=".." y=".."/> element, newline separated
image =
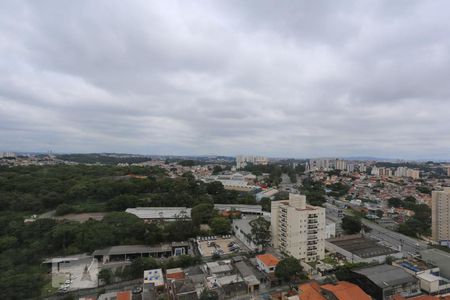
<point x="246" y="227"/>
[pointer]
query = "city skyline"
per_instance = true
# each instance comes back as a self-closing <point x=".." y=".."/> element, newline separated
<point x="288" y="80"/>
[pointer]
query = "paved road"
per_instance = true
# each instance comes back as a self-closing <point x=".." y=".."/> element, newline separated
<point x="409" y="245"/>
<point x="395" y="239"/>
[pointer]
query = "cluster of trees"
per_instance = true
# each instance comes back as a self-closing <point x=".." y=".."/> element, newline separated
<point x="80" y="188"/>
<point x="23" y="246"/>
<point x="314" y="191"/>
<point x="351" y="224"/>
<point x="260" y="231"/>
<point x="420" y="223"/>
<point x="37" y="189"/>
<point x="290" y="270"/>
<point x="338" y="189"/>
<point x="275" y="171"/>
<point x="94" y="158"/>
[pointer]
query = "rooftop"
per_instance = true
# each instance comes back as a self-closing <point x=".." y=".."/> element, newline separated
<point x="386" y="275"/>
<point x="268" y="259"/>
<point x="345" y="290"/>
<point x="160" y="212"/>
<point x="361" y="246"/>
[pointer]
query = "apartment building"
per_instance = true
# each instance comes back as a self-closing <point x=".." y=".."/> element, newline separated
<point x="298" y="229"/>
<point x="440" y="215"/>
<point x="242" y="161"/>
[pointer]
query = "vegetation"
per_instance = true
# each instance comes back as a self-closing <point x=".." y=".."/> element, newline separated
<point x="338" y="189"/>
<point x="99" y="158"/>
<point x="420" y="223"/>
<point x="351" y="224"/>
<point x="314" y="191"/>
<point x="261" y="232"/>
<point x="289" y="270"/>
<point x="208" y="295"/>
<point x="220" y="225"/>
<point x="25" y="191"/>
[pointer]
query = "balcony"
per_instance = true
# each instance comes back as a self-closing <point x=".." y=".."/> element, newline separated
<point x="312" y="231"/>
<point x="312" y="221"/>
<point x="312" y="243"/>
<point x="312" y="237"/>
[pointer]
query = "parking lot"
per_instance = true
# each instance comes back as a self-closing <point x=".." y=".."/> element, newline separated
<point x="221" y="245"/>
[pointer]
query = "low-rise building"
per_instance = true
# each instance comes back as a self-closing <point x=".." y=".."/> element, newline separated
<point x="267" y="262"/>
<point x="243" y="231"/>
<point x="358" y="248"/>
<point x="150" y="214"/>
<point x="382" y="282"/>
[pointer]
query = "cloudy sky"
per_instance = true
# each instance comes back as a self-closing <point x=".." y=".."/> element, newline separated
<point x="277" y="78"/>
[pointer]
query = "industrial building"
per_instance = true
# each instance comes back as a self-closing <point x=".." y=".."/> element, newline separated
<point x="384" y="281"/>
<point x="358" y="248"/>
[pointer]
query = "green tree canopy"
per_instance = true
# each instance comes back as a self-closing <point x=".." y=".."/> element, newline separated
<point x="261" y="234"/>
<point x="351" y="224"/>
<point x="288" y="270"/>
<point x="220" y="225"/>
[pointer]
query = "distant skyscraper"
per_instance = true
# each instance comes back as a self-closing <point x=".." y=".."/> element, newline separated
<point x="242" y="161"/>
<point x="440" y="215"/>
<point x="298" y="229"/>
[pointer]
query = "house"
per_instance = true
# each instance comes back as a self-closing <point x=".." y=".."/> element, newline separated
<point x="267" y="262"/>
<point x="182" y="289"/>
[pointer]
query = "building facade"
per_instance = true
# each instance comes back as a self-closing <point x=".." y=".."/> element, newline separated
<point x="298" y="229"/>
<point x="440" y="215"/>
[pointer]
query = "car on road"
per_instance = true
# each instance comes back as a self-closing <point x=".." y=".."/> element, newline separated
<point x="137" y="290"/>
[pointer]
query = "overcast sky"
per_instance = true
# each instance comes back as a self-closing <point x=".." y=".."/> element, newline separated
<point x="276" y="78"/>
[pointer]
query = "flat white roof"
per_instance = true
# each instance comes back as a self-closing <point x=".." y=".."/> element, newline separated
<point x="160" y="212"/>
<point x="428" y="277"/>
<point x="154" y="276"/>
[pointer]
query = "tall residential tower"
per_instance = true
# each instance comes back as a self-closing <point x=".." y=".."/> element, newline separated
<point x="440" y="215"/>
<point x="298" y="229"/>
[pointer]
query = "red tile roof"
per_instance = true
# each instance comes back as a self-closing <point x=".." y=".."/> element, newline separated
<point x="268" y="259"/>
<point x="344" y="290"/>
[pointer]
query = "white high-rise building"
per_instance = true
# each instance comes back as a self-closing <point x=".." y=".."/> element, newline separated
<point x="401" y="172"/>
<point x="298" y="229"/>
<point x="242" y="160"/>
<point x="406" y="172"/>
<point x="341" y="165"/>
<point x="440" y="215"/>
<point x="362" y="167"/>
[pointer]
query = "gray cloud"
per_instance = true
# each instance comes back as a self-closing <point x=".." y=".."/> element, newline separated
<point x="299" y="78"/>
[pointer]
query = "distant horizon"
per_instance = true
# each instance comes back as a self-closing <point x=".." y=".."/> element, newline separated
<point x="357" y="157"/>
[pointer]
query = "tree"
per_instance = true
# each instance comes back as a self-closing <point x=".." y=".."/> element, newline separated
<point x="266" y="204"/>
<point x="351" y="224"/>
<point x="64" y="209"/>
<point x="208" y="295"/>
<point x="395" y="202"/>
<point x="220" y="225"/>
<point x="140" y="264"/>
<point x="215" y="188"/>
<point x="288" y="270"/>
<point x="261" y="234"/>
<point x="105" y="275"/>
<point x="202" y="213"/>
<point x="217" y="170"/>
<point x="122" y="202"/>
